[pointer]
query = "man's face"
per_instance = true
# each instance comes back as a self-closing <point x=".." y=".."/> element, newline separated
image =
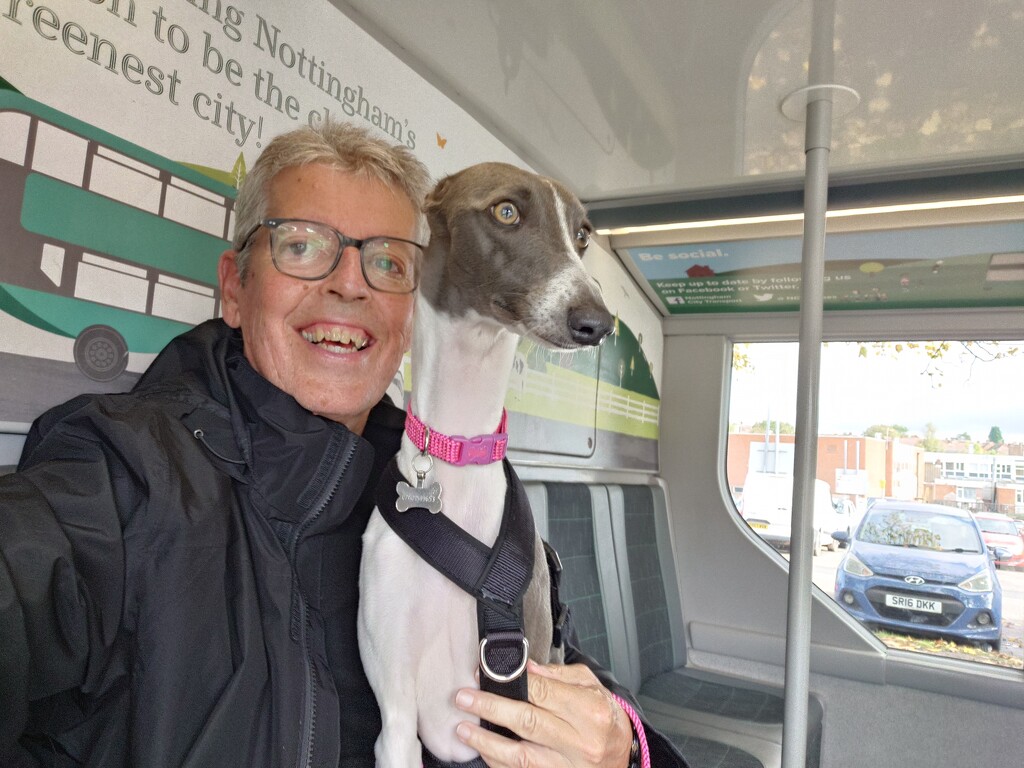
<point x="282" y="317"/>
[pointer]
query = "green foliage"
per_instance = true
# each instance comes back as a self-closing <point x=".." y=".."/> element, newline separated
<point x="623" y="362"/>
<point x="934" y="355"/>
<point x="741" y="357"/>
<point x="995" y="435"/>
<point x="784" y="427"/>
<point x="931" y="441"/>
<point x="886" y="430"/>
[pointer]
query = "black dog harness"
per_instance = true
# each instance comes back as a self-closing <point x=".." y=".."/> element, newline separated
<point x="497" y="577"/>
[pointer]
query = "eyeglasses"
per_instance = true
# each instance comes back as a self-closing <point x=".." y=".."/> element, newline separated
<point x="310" y="250"/>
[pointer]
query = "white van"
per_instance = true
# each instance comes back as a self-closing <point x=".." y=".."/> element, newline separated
<point x="768" y="509"/>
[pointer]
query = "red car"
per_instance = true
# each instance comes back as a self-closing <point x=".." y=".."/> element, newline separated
<point x="999" y="532"/>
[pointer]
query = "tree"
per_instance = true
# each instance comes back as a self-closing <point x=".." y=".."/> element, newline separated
<point x="995" y="435"/>
<point x="741" y="357"/>
<point x="931" y="442"/>
<point x="886" y="430"/>
<point x="936" y="356"/>
<point x="784" y="427"/>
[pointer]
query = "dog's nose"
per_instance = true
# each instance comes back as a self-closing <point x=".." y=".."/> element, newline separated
<point x="589" y="325"/>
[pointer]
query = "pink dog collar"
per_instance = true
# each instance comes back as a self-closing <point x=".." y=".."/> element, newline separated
<point x="456" y="449"/>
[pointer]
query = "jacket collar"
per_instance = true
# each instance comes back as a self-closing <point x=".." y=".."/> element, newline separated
<point x="261" y="436"/>
<point x="298" y="461"/>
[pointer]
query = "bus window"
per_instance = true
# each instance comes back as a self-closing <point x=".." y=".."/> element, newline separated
<point x="14" y="136"/>
<point x="52" y="263"/>
<point x="118" y="177"/>
<point x="59" y="153"/>
<point x="112" y="282"/>
<point x="195" y="207"/>
<point x="920" y="453"/>
<point x="181" y="300"/>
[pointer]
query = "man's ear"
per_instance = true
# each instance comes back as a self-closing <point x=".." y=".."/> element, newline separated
<point x="230" y="288"/>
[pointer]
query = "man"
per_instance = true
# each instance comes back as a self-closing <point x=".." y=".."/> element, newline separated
<point x="179" y="576"/>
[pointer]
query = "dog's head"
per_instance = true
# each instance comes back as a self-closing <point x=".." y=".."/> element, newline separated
<point x="508" y="245"/>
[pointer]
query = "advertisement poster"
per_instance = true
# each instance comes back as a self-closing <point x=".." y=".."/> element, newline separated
<point x="979" y="265"/>
<point x="209" y="82"/>
<point x="125" y="128"/>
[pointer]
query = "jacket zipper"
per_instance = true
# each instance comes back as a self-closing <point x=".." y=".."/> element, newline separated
<point x="305" y="756"/>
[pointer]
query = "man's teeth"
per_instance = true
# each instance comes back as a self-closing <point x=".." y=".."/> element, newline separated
<point x="337" y="336"/>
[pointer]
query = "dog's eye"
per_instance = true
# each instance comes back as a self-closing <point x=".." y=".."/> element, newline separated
<point x="582" y="238"/>
<point x="505" y="212"/>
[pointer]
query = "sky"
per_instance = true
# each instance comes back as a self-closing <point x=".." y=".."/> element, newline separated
<point x="962" y="394"/>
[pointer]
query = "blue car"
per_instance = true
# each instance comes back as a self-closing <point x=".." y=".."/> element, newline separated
<point x="922" y="569"/>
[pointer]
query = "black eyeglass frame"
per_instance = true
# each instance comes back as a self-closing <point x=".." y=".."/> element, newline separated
<point x="344" y="242"/>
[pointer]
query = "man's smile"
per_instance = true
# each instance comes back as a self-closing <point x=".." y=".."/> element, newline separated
<point x="336" y="338"/>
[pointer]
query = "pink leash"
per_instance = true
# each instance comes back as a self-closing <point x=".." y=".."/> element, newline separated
<point x="638" y="728"/>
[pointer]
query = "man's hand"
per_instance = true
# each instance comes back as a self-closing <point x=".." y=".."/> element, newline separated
<point x="569" y="720"/>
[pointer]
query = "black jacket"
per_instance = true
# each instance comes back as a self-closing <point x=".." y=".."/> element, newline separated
<point x="179" y="574"/>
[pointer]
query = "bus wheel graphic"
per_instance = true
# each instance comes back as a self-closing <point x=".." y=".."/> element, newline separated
<point x="101" y="353"/>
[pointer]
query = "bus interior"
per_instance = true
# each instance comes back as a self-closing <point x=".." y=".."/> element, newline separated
<point x="687" y="123"/>
<point x="768" y="180"/>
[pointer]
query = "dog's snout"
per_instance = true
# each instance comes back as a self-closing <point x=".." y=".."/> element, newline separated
<point x="589" y="325"/>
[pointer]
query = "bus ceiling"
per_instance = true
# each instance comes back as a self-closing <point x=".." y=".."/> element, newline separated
<point x="681" y="124"/>
<point x="669" y="101"/>
<point x="676" y="100"/>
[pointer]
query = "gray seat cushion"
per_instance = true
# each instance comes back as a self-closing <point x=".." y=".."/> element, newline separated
<point x="702" y="753"/>
<point x="571" y="533"/>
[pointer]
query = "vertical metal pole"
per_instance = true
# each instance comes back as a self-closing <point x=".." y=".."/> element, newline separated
<point x="802" y="534"/>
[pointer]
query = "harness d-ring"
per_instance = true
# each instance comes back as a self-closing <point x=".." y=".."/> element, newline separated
<point x="499" y="678"/>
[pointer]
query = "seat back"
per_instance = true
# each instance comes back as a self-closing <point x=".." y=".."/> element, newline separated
<point x="640" y="518"/>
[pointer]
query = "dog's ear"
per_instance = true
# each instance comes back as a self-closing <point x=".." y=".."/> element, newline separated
<point x="433" y="208"/>
<point x="435" y="198"/>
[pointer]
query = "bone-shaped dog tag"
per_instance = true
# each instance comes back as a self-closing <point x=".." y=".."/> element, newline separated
<point x="428" y="498"/>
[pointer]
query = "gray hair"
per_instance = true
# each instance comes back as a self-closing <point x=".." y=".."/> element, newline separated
<point x="339" y="145"/>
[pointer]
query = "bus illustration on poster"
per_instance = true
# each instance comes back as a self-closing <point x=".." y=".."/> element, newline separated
<point x="604" y="400"/>
<point x="107" y="246"/>
<point x="111" y="250"/>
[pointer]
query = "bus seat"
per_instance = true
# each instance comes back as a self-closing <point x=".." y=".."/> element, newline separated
<point x="619" y="580"/>
<point x="571" y="531"/>
<point x="690" y="706"/>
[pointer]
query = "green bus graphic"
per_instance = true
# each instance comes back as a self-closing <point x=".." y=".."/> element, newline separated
<point x="105" y="242"/>
<point x="116" y="247"/>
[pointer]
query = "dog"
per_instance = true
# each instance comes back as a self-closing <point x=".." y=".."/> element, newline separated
<point x="504" y="261"/>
